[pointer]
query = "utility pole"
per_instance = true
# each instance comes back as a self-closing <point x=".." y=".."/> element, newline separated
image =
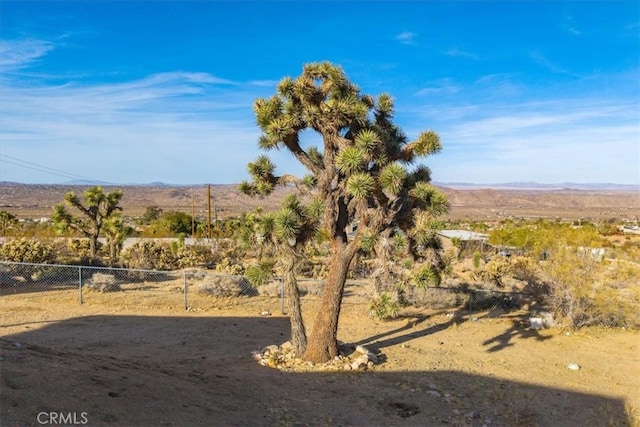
<point x="193" y="214"/>
<point x="209" y="211"/>
<point x="217" y="226"/>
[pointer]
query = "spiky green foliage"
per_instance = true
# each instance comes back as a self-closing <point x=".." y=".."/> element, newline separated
<point x="97" y="207"/>
<point x="392" y="178"/>
<point x="359" y="174"/>
<point x="260" y="273"/>
<point x="427" y="276"/>
<point x="360" y="185"/>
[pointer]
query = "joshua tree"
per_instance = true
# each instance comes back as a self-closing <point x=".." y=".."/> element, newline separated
<point x="359" y="173"/>
<point x="290" y="229"/>
<point x="98" y="206"/>
<point x="116" y="232"/>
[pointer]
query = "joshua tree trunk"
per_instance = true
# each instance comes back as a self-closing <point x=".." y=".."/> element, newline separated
<point x="298" y="332"/>
<point x="93" y="245"/>
<point x="323" y="344"/>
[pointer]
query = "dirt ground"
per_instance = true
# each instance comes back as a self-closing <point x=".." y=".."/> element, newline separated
<point x="118" y="362"/>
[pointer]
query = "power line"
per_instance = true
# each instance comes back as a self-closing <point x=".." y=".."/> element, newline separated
<point x="39" y="168"/>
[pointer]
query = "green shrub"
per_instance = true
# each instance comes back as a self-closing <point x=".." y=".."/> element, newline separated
<point x="427" y="276"/>
<point x="384" y="307"/>
<point x="150" y="256"/>
<point x="477" y="259"/>
<point x="27" y="251"/>
<point x="193" y="256"/>
<point x="259" y="274"/>
<point x="229" y="267"/>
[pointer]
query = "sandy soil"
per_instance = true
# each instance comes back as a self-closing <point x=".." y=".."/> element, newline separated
<point x="148" y="362"/>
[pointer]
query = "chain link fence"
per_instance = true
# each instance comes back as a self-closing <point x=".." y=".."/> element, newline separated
<point x="192" y="289"/>
<point x="471" y="299"/>
<point x="119" y="286"/>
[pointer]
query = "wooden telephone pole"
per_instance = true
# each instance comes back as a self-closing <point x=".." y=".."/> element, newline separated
<point x="209" y="211"/>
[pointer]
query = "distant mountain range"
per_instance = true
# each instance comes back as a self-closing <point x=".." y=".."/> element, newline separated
<point x="538" y="186"/>
<point x="453" y="185"/>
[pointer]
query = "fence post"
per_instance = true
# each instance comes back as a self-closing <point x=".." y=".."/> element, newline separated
<point x="80" y="284"/>
<point x="282" y="310"/>
<point x="184" y="280"/>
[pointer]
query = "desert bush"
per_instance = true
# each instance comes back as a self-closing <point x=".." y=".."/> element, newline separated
<point x="477" y="258"/>
<point x="385" y="306"/>
<point x="528" y="270"/>
<point x="225" y="286"/>
<point x="436" y="298"/>
<point x="27" y="251"/>
<point x="193" y="256"/>
<point x="150" y="256"/>
<point x="229" y="267"/>
<point x="102" y="282"/>
<point x="426" y="276"/>
<point x="78" y="251"/>
<point x="494" y="272"/>
<point x="361" y="269"/>
<point x="584" y="292"/>
<point x="261" y="273"/>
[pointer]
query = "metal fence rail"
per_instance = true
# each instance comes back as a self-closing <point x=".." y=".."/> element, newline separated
<point x="193" y="288"/>
<point x="120" y="285"/>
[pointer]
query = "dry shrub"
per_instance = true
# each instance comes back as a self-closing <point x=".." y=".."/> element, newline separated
<point x="436" y="298"/>
<point x="227" y="265"/>
<point x="150" y="255"/>
<point x="585" y="292"/>
<point x="102" y="282"/>
<point x="494" y="272"/>
<point x="225" y="286"/>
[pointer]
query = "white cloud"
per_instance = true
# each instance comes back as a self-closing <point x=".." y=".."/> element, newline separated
<point x="180" y="127"/>
<point x="444" y="86"/>
<point x="543" y="61"/>
<point x="555" y="141"/>
<point x="407" y="37"/>
<point x="462" y="53"/>
<point x="571" y="27"/>
<point x="264" y="83"/>
<point x="19" y="54"/>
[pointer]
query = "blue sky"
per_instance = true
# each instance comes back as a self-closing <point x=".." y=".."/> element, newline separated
<point x="137" y="92"/>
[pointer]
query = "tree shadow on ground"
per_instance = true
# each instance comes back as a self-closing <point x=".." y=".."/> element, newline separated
<point x="376" y="342"/>
<point x="504" y="340"/>
<point x="197" y="371"/>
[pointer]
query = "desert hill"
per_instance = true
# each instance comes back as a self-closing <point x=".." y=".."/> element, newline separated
<point x="37" y="200"/>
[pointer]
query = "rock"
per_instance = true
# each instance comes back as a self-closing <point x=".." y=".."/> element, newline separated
<point x="286" y="346"/>
<point x="362" y="360"/>
<point x="256" y="355"/>
<point x="270" y="349"/>
<point x="536" y="323"/>
<point x="547" y="319"/>
<point x="362" y="349"/>
<point x="372" y="357"/>
<point x="265" y="313"/>
<point x="356" y="366"/>
<point x="573" y="366"/>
